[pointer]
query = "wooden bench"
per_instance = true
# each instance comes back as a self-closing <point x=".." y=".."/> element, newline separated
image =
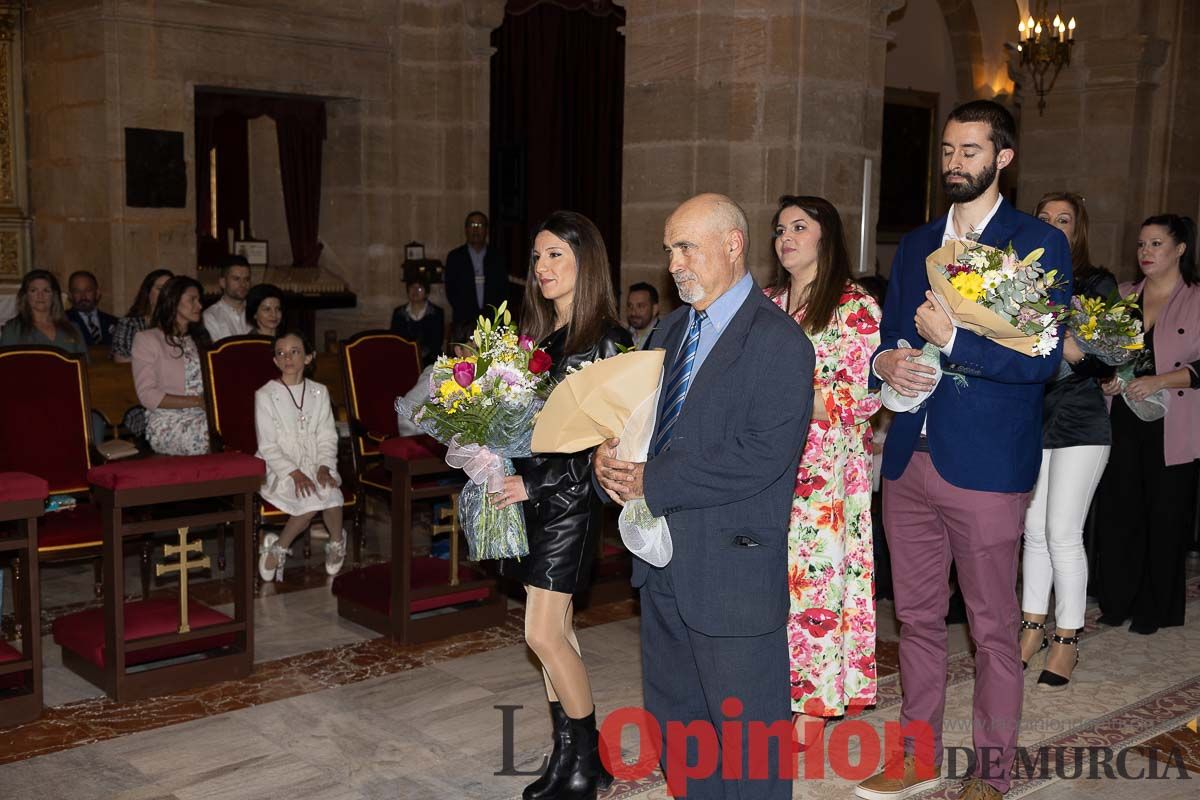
<point x="102" y="644"/>
<point x="22" y="498"/>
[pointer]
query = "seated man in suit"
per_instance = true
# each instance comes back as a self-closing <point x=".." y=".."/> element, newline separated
<point x="731" y="423"/>
<point x="958" y="469"/>
<point x="641" y="312"/>
<point x="96" y="325"/>
<point x="476" y="277"/>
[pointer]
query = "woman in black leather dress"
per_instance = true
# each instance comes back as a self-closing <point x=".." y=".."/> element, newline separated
<point x="571" y="312"/>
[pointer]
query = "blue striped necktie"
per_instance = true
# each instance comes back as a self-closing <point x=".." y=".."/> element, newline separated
<point x="678" y="382"/>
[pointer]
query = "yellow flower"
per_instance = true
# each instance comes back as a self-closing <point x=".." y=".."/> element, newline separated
<point x="449" y="389"/>
<point x="969" y="285"/>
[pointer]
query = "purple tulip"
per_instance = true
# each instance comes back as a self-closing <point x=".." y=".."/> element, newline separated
<point x="464" y="373"/>
<point x="525" y="343"/>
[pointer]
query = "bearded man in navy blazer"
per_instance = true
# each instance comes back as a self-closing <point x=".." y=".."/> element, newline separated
<point x="959" y="468"/>
<point x="732" y="417"/>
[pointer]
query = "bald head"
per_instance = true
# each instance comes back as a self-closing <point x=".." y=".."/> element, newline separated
<point x="705" y="240"/>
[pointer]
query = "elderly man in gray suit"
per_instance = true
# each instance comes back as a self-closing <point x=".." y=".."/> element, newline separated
<point x="733" y="413"/>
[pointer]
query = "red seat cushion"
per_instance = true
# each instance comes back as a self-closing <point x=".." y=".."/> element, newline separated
<point x="410" y="448"/>
<point x="74" y="527"/>
<point x="175" y="470"/>
<point x="9" y="654"/>
<point x="83" y="632"/>
<point x="17" y="486"/>
<point x="371" y="586"/>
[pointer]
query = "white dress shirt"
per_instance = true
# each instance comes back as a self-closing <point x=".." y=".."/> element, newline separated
<point x="222" y="320"/>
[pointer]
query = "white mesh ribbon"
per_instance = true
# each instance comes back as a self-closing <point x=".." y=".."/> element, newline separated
<point x="645" y="535"/>
<point x="482" y="466"/>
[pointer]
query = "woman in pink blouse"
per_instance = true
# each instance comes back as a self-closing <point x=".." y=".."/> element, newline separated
<point x="1147" y="498"/>
<point x="831" y="625"/>
<point x="166" y="371"/>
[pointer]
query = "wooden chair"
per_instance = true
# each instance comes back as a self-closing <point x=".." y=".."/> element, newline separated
<point x="22" y="498"/>
<point x="45" y="431"/>
<point x="234" y="369"/>
<point x="387" y="597"/>
<point x="378" y="367"/>
<point x="173" y="644"/>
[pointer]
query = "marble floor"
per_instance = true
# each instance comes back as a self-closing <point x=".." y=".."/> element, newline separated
<point x="333" y="713"/>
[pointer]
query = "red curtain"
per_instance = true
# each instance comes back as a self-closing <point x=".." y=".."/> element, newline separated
<point x="221" y="121"/>
<point x="558" y="86"/>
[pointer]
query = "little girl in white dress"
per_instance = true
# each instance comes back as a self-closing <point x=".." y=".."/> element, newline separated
<point x="298" y="441"/>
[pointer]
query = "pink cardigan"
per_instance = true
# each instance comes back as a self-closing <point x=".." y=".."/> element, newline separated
<point x="1176" y="345"/>
<point x="157" y="368"/>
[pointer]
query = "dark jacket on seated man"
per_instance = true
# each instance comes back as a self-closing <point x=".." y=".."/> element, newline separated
<point x="103" y="325"/>
<point x="428" y="332"/>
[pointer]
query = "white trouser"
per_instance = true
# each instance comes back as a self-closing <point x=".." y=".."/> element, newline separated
<point x="1054" y="555"/>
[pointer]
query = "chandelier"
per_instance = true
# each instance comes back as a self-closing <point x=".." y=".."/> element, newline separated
<point x="1044" y="45"/>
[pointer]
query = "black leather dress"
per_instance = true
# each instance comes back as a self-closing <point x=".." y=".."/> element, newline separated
<point x="563" y="512"/>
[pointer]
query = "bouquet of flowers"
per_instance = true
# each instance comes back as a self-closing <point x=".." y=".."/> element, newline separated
<point x="997" y="294"/>
<point x="482" y="406"/>
<point x="991" y="292"/>
<point x="1106" y="329"/>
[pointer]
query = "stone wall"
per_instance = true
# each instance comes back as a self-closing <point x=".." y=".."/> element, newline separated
<point x="1120" y="124"/>
<point x="405" y="157"/>
<point x="753" y="99"/>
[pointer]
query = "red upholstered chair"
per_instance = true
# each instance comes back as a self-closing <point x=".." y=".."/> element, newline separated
<point x="45" y="431"/>
<point x="101" y="644"/>
<point x="22" y="498"/>
<point x="234" y="369"/>
<point x="385" y="597"/>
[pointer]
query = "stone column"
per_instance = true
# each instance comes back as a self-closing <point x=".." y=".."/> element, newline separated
<point x="1107" y="124"/>
<point x="753" y="99"/>
<point x="14" y="202"/>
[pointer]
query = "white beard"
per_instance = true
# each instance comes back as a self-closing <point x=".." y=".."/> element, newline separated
<point x="690" y="291"/>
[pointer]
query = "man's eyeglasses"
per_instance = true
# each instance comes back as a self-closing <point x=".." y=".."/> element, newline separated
<point x="476" y="224"/>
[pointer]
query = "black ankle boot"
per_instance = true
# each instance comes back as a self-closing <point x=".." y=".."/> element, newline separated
<point x="587" y="774"/>
<point x="550" y="783"/>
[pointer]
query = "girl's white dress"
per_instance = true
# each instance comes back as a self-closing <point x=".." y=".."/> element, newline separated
<point x="290" y="438"/>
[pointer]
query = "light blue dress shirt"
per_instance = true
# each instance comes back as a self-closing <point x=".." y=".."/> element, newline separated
<point x="720" y="313"/>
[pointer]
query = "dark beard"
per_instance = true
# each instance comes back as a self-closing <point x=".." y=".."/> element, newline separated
<point x="972" y="187"/>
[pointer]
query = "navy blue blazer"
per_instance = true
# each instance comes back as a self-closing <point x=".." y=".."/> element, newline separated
<point x="987" y="435"/>
<point x="726" y="479"/>
<point x="107" y="323"/>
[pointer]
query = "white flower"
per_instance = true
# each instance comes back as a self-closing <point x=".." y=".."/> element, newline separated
<point x="992" y="280"/>
<point x="1045" y="345"/>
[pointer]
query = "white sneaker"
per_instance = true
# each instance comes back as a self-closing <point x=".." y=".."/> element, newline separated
<point x="335" y="554"/>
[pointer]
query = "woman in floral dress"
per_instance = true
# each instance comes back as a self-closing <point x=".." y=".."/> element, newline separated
<point x="831" y="625"/>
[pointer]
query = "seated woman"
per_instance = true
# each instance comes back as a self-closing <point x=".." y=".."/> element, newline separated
<point x="40" y="316"/>
<point x="422" y="322"/>
<point x="166" y="371"/>
<point x="139" y="316"/>
<point x="298" y="440"/>
<point x="264" y="309"/>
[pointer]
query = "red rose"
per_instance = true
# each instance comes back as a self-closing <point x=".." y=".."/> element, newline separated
<point x="539" y="362"/>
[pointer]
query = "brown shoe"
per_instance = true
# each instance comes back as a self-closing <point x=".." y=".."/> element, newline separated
<point x="886" y="785"/>
<point x="975" y="789"/>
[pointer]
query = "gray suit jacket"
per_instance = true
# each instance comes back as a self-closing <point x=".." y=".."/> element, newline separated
<point x="726" y="479"/>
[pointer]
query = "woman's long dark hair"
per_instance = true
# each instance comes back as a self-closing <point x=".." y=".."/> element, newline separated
<point x="141" y="303"/>
<point x="168" y="309"/>
<point x="1183" y="231"/>
<point x="594" y="306"/>
<point x="833" y="263"/>
<point x="1081" y="258"/>
<point x="57" y="314"/>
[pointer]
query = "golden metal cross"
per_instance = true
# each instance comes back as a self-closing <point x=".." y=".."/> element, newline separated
<point x="182" y="567"/>
<point x="453" y="529"/>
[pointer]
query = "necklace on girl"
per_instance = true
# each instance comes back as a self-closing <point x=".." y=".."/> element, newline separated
<point x="301" y="417"/>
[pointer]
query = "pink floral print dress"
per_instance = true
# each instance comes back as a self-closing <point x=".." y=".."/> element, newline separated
<point x="831" y="624"/>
